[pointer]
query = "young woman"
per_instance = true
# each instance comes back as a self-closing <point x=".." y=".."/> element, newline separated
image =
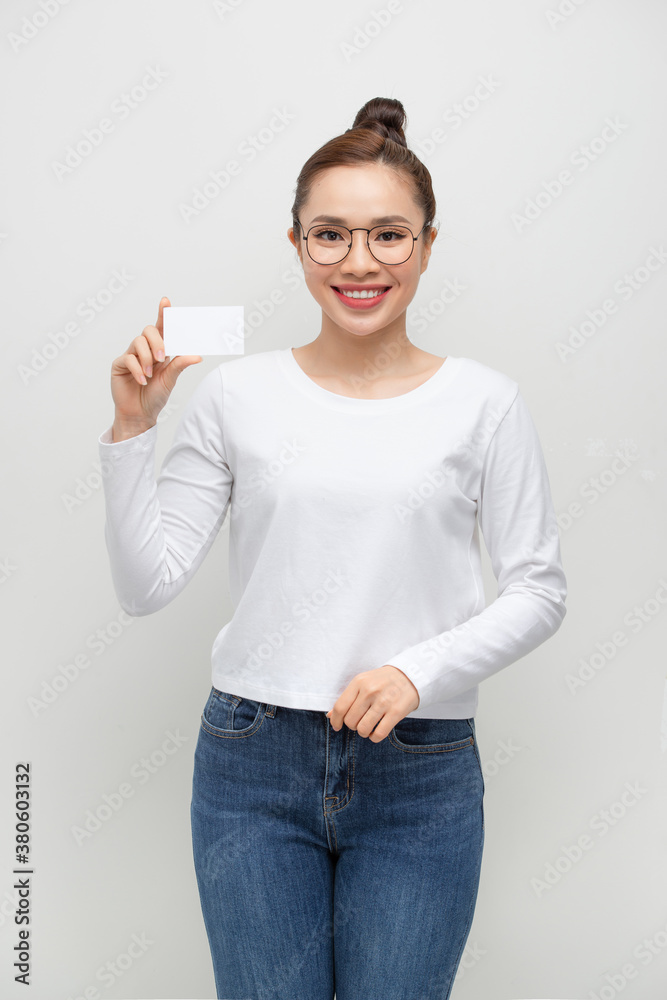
<point x="337" y="798"/>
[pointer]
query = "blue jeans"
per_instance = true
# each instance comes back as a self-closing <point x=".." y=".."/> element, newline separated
<point x="330" y="864"/>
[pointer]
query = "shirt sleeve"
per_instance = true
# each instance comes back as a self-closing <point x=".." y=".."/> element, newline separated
<point x="158" y="533"/>
<point x="518" y="522"/>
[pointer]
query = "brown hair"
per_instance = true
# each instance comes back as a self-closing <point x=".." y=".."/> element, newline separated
<point x="376" y="136"/>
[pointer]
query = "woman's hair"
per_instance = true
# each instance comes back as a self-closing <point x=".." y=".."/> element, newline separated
<point x="376" y="136"/>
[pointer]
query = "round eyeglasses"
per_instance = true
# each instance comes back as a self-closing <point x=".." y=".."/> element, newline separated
<point x="388" y="244"/>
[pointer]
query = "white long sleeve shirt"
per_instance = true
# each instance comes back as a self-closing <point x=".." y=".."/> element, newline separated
<point x="353" y="529"/>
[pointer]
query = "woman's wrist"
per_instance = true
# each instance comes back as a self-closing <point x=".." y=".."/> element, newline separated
<point x="121" y="430"/>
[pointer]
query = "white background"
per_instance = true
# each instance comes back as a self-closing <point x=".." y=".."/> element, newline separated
<point x="524" y="288"/>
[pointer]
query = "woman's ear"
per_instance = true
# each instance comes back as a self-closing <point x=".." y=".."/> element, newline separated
<point x="296" y="243"/>
<point x="426" y="251"/>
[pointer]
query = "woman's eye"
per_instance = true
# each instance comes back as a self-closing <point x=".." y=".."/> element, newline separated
<point x="392" y="236"/>
<point x="324" y="235"/>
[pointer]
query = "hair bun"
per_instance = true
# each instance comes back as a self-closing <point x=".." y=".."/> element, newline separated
<point x="377" y="136"/>
<point x="384" y="115"/>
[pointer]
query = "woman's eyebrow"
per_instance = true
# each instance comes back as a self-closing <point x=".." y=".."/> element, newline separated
<point x="335" y="220"/>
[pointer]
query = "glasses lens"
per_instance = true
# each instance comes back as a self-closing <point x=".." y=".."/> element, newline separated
<point x="328" y="244"/>
<point x="388" y="244"/>
<point x="391" y="244"/>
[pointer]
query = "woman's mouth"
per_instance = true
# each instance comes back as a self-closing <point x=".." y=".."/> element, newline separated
<point x="362" y="298"/>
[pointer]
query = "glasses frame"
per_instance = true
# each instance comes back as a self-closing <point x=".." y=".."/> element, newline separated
<point x="318" y="225"/>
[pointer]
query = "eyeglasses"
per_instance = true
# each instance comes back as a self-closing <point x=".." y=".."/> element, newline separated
<point x="388" y="244"/>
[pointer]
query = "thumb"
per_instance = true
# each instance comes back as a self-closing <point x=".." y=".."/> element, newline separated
<point x="177" y="365"/>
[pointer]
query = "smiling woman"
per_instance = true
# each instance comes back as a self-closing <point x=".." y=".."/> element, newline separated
<point x="364" y="202"/>
<point x="337" y="796"/>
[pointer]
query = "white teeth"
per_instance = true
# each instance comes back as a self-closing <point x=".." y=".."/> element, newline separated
<point x="364" y="294"/>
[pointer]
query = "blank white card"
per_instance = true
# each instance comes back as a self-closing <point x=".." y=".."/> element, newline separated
<point x="202" y="330"/>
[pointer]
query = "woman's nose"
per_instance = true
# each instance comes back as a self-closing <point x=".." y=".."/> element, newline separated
<point x="359" y="257"/>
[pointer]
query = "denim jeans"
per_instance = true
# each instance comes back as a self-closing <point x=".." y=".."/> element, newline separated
<point x="330" y="865"/>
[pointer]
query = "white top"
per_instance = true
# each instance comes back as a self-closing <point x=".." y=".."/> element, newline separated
<point x="353" y="538"/>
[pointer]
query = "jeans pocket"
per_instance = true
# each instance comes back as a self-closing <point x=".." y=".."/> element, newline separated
<point x="479" y="759"/>
<point x="412" y="735"/>
<point x="231" y="716"/>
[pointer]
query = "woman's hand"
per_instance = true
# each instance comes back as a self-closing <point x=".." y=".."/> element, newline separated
<point x="142" y="378"/>
<point x="385" y="694"/>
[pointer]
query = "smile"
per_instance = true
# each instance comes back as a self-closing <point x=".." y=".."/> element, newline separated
<point x="364" y="298"/>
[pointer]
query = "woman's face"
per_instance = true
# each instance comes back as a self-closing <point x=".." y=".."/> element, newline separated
<point x="360" y="196"/>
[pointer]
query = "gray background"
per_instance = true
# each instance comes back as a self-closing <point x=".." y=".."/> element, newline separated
<point x="556" y="757"/>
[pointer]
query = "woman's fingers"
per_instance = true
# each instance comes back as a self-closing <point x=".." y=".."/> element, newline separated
<point x="164" y="301"/>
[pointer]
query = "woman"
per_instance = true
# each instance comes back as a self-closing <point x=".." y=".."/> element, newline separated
<point x="337" y="798"/>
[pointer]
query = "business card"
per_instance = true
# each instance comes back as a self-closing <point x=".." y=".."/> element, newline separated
<point x="203" y="330"/>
